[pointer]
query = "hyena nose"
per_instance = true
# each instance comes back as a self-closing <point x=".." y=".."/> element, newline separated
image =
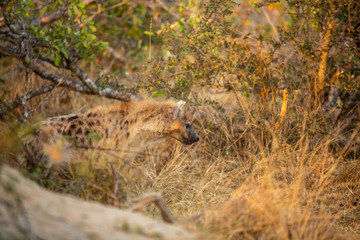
<point x="196" y="138"/>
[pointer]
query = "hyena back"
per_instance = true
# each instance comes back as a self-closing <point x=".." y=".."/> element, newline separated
<point x="119" y="126"/>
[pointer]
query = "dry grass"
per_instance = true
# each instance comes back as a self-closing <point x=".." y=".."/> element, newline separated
<point x="252" y="176"/>
<point x="252" y="181"/>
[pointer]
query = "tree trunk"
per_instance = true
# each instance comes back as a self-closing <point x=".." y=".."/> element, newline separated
<point x="28" y="211"/>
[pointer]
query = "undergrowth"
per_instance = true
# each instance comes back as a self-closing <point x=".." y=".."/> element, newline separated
<point x="260" y="170"/>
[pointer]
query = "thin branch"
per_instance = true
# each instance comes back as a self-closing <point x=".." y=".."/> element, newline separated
<point x="167" y="9"/>
<point x="19" y="47"/>
<point x="84" y="78"/>
<point x="43" y="100"/>
<point x="91" y="88"/>
<point x="48" y="18"/>
<point x="51" y="61"/>
<point x="115" y="179"/>
<point x="115" y="54"/>
<point x="158" y="200"/>
<point x="104" y="10"/>
<point x="79" y="87"/>
<point x="23" y="101"/>
<point x="18" y="100"/>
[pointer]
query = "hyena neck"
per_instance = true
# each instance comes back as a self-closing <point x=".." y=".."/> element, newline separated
<point x="134" y="127"/>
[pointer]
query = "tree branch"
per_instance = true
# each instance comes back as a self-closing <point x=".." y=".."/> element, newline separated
<point x="78" y="87"/>
<point x="167" y="9"/>
<point x="48" y="18"/>
<point x="29" y="95"/>
<point x="84" y="78"/>
<point x="157" y="199"/>
<point x="89" y="88"/>
<point x="18" y="43"/>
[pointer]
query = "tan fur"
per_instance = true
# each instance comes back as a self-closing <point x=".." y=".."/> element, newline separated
<point x="119" y="126"/>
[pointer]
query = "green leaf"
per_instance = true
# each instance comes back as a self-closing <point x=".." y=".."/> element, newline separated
<point x="84" y="29"/>
<point x="56" y="48"/>
<point x="91" y="36"/>
<point x="76" y="10"/>
<point x="43" y="10"/>
<point x="157" y="94"/>
<point x="81" y="5"/>
<point x="57" y="60"/>
<point x="181" y="23"/>
<point x="2" y="80"/>
<point x="103" y="44"/>
<point x="92" y="28"/>
<point x="181" y="8"/>
<point x="31" y="4"/>
<point x="149" y="33"/>
<point x="63" y="51"/>
<point x="69" y="12"/>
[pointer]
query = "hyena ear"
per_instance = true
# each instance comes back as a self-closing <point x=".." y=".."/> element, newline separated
<point x="178" y="109"/>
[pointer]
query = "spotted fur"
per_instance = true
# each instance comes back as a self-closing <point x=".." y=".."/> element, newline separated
<point x="117" y="126"/>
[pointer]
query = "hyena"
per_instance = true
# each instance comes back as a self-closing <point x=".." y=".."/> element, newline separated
<point x="120" y="126"/>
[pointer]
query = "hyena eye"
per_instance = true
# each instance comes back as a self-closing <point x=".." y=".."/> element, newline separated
<point x="187" y="125"/>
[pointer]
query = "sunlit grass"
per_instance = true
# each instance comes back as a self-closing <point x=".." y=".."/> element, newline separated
<point x="251" y="176"/>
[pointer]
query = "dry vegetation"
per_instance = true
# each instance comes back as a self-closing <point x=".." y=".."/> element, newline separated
<point x="266" y="166"/>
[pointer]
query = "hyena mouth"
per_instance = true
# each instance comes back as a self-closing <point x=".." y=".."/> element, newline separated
<point x="186" y="141"/>
<point x="189" y="141"/>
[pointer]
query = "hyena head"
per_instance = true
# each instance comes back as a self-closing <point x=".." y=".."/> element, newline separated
<point x="180" y="127"/>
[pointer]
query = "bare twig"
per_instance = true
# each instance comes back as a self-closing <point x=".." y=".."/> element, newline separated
<point x="154" y="197"/>
<point x="115" y="179"/>
<point x="68" y="83"/>
<point x="18" y="100"/>
<point x="92" y="88"/>
<point x="48" y="18"/>
<point x="276" y="33"/>
<point x="84" y="78"/>
<point x="51" y="61"/>
<point x="167" y="9"/>
<point x="103" y="10"/>
<point x="23" y="102"/>
<point x="115" y="54"/>
<point x="20" y="47"/>
<point x="78" y="87"/>
<point x="44" y="99"/>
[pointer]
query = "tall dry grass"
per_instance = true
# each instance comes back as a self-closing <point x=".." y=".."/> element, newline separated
<point x="251" y="176"/>
<point x="247" y="178"/>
